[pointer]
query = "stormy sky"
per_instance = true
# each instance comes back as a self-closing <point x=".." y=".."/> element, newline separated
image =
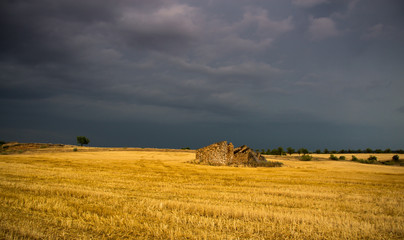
<point x="172" y="73"/>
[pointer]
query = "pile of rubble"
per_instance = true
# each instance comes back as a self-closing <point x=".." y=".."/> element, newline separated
<point x="224" y="154"/>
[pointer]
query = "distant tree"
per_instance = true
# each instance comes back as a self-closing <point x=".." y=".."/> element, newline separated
<point x="333" y="151"/>
<point x="368" y="150"/>
<point x="275" y="152"/>
<point x="318" y="151"/>
<point x="387" y="150"/>
<point x="303" y="150"/>
<point x="342" y="151"/>
<point x="401" y="151"/>
<point x="268" y="152"/>
<point x="359" y="150"/>
<point x="326" y="151"/>
<point x="280" y="150"/>
<point x="290" y="150"/>
<point x="82" y="140"/>
<point x="378" y="151"/>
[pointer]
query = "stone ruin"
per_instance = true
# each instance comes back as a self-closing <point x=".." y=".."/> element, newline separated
<point x="246" y="156"/>
<point x="223" y="154"/>
<point x="219" y="153"/>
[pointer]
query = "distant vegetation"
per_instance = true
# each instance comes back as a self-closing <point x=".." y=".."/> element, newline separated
<point x="333" y="157"/>
<point x="290" y="151"/>
<point x="371" y="160"/>
<point x="306" y="157"/>
<point x="82" y="140"/>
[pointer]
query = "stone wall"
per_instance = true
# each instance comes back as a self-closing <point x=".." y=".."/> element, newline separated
<point x="219" y="153"/>
<point x="222" y="153"/>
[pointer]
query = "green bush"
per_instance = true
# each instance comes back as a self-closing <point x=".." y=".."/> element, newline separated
<point x="341" y="157"/>
<point x="333" y="157"/>
<point x="74" y="149"/>
<point x="306" y="157"/>
<point x="396" y="158"/>
<point x="268" y="164"/>
<point x="367" y="161"/>
<point x="372" y="158"/>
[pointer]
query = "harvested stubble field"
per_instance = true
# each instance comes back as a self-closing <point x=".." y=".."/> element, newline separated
<point x="159" y="195"/>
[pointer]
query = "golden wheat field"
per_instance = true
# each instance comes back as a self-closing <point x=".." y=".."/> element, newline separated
<point x="160" y="195"/>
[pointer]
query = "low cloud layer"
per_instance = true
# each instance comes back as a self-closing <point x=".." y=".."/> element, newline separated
<point x="271" y="68"/>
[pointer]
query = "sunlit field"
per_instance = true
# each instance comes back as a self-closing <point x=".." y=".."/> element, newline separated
<point x="160" y="195"/>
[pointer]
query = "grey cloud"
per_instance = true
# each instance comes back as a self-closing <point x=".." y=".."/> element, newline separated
<point x="255" y="32"/>
<point x="322" y="28"/>
<point x="246" y="69"/>
<point x="64" y="31"/>
<point x="169" y="26"/>
<point x="41" y="31"/>
<point x="374" y="31"/>
<point x="308" y="3"/>
<point x="257" y="21"/>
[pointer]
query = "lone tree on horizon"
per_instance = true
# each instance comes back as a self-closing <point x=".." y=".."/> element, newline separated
<point x="82" y="140"/>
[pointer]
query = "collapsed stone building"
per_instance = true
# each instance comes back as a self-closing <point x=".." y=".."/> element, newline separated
<point x="224" y="154"/>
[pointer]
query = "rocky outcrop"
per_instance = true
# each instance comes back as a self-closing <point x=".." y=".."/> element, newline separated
<point x="222" y="154"/>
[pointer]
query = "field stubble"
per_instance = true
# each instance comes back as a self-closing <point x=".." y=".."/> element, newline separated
<point x="159" y="195"/>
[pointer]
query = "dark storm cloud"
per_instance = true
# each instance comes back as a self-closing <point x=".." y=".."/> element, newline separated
<point x="204" y="67"/>
<point x="41" y="31"/>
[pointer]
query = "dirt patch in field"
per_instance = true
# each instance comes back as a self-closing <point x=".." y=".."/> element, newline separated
<point x="19" y="148"/>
